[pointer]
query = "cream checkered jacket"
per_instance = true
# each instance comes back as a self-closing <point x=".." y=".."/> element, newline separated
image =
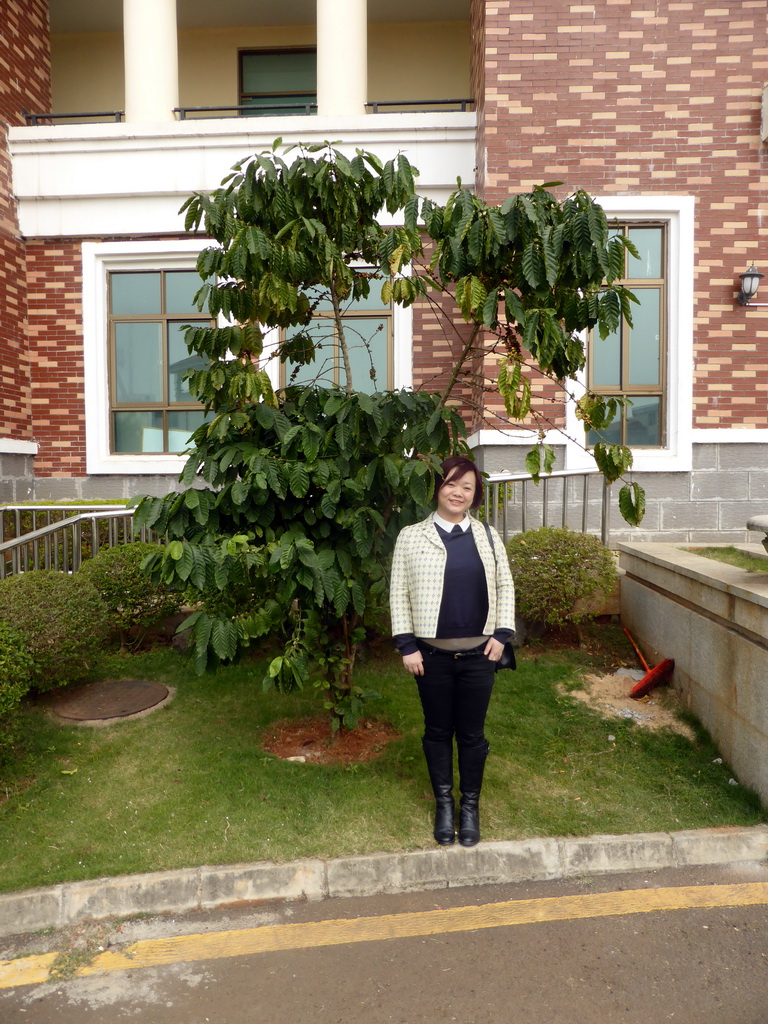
<point x="418" y="568"/>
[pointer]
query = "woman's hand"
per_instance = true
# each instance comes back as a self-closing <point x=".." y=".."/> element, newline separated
<point x="414" y="663"/>
<point x="493" y="650"/>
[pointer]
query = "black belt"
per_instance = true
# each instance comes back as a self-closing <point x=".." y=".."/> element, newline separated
<point x="480" y="649"/>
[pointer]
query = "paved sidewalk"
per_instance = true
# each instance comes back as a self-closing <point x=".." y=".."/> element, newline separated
<point x="242" y="885"/>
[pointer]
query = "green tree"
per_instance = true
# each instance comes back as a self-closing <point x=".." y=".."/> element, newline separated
<point x="536" y="273"/>
<point x="303" y="492"/>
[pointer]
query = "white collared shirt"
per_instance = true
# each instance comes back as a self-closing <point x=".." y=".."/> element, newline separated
<point x="448" y="527"/>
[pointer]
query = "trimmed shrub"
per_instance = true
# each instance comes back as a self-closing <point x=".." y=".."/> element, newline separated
<point x="62" y="619"/>
<point x="553" y="568"/>
<point x="134" y="602"/>
<point x="16" y="667"/>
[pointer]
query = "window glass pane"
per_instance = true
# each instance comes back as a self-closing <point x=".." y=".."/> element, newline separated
<point x="139" y="362"/>
<point x="644" y="338"/>
<point x="180" y="289"/>
<point x="181" y="424"/>
<point x="138" y="431"/>
<point x="374" y="298"/>
<point x="367" y="344"/>
<point x="322" y="369"/>
<point x="278" y="73"/>
<point x="606" y="360"/>
<point x="180" y="360"/>
<point x="644" y="422"/>
<point x="649" y="247"/>
<point x="608" y="435"/>
<point x="135" y="294"/>
<point x="320" y="299"/>
<point x="322" y="304"/>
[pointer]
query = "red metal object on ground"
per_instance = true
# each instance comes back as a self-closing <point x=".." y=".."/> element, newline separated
<point x="653" y="676"/>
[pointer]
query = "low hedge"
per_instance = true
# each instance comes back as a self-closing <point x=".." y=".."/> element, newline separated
<point x="16" y="667"/>
<point x="134" y="602"/>
<point x="63" y="622"/>
<point x="554" y="568"/>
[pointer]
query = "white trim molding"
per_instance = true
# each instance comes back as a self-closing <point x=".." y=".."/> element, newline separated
<point x="729" y="435"/>
<point x="127" y="179"/>
<point x="11" y="446"/>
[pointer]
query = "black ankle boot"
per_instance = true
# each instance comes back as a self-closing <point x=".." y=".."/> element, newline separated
<point x="471" y="767"/>
<point x="439" y="758"/>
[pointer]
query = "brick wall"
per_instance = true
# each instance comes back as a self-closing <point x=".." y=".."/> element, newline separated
<point x="629" y="97"/>
<point x="54" y="276"/>
<point x="24" y="85"/>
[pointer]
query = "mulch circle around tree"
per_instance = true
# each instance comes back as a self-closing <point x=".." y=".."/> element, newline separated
<point x="101" y="701"/>
<point x="311" y="740"/>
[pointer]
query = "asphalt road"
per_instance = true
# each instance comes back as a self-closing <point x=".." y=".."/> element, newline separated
<point x="683" y="946"/>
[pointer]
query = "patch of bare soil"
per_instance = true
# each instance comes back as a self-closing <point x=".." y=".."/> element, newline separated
<point x="610" y="695"/>
<point x="311" y="740"/>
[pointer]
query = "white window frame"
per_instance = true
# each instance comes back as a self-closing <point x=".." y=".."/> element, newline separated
<point x="677" y="213"/>
<point x="99" y="259"/>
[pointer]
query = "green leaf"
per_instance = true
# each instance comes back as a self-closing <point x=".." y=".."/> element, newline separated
<point x="533" y="463"/>
<point x="632" y="503"/>
<point x="299" y="480"/>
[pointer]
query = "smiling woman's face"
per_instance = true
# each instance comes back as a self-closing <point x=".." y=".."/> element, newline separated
<point x="455" y="497"/>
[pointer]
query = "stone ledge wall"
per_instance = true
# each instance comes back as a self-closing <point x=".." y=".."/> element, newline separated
<point x="712" y="619"/>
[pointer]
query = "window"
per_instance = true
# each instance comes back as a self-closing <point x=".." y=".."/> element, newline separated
<point x="368" y="332"/>
<point x="277" y="83"/>
<point x="151" y="409"/>
<point x="631" y="361"/>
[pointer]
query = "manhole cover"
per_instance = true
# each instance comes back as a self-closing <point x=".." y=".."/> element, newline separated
<point x="98" y="701"/>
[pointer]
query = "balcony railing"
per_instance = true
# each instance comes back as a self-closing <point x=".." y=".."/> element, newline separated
<point x="513" y="503"/>
<point x="246" y="110"/>
<point x="81" y="118"/>
<point x="424" y="105"/>
<point x="249" y="110"/>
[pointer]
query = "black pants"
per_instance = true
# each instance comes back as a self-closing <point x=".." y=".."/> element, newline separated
<point x="455" y="693"/>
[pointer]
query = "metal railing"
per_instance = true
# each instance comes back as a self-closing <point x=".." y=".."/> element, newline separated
<point x="513" y="503"/>
<point x="65" y="544"/>
<point x="86" y="117"/>
<point x="246" y="110"/>
<point x="425" y="105"/>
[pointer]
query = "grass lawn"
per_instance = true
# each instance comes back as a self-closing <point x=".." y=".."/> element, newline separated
<point x="734" y="556"/>
<point x="190" y="785"/>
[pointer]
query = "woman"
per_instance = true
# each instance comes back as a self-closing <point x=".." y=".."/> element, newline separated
<point x="453" y="608"/>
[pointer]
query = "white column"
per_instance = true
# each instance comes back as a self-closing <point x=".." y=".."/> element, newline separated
<point x="342" y="56"/>
<point x="151" y="60"/>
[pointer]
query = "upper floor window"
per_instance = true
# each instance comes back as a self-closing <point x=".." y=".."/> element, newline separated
<point x="151" y="409"/>
<point x="277" y="83"/>
<point x="631" y="361"/>
<point x="369" y="337"/>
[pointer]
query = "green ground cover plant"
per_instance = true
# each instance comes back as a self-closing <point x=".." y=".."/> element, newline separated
<point x="190" y="784"/>
<point x="734" y="556"/>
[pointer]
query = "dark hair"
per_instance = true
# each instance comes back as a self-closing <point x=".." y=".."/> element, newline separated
<point x="455" y="467"/>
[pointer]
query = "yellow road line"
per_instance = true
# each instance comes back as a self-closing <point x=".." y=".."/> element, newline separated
<point x="275" y="938"/>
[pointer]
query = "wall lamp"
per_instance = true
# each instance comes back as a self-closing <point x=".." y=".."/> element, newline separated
<point x="750" y="282"/>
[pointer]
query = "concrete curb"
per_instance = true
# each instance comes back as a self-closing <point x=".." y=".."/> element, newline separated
<point x="240" y="885"/>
